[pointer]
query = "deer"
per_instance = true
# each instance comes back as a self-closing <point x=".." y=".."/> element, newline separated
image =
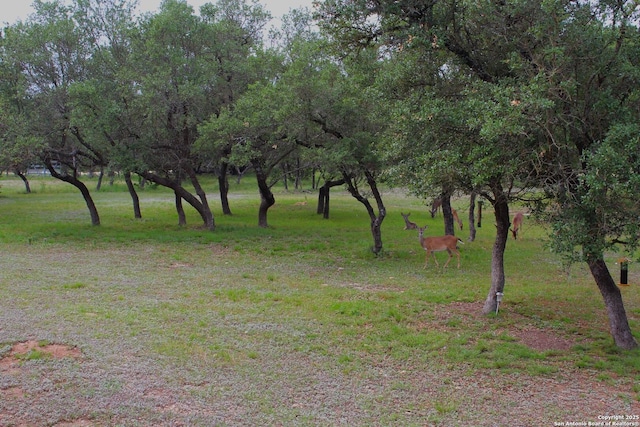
<point x="408" y="224"/>
<point x="517" y="225"/>
<point x="456" y="218"/>
<point x="435" y="206"/>
<point x="439" y="244"/>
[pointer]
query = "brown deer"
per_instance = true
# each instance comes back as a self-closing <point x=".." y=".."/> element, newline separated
<point x="435" y="207"/>
<point x="439" y="244"/>
<point x="517" y="225"/>
<point x="408" y="224"/>
<point x="456" y="218"/>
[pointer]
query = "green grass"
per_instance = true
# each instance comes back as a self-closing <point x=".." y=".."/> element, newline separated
<point x="304" y="285"/>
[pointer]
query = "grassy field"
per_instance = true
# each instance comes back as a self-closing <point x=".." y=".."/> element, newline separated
<point x="297" y="324"/>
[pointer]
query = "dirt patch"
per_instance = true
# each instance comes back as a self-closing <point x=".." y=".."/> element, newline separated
<point x="537" y="339"/>
<point x="542" y="340"/>
<point x="57" y="351"/>
<point x="10" y="362"/>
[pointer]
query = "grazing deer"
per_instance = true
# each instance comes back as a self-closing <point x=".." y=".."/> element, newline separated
<point x="408" y="224"/>
<point x="456" y="218"/>
<point x="435" y="206"/>
<point x="439" y="244"/>
<point x="517" y="225"/>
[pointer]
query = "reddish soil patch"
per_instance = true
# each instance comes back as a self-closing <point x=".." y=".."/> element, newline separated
<point x="10" y="363"/>
<point x="11" y="360"/>
<point x="57" y="351"/>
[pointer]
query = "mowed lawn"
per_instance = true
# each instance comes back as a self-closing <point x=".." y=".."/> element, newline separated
<point x="143" y="322"/>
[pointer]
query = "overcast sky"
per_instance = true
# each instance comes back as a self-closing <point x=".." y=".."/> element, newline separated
<point x="12" y="10"/>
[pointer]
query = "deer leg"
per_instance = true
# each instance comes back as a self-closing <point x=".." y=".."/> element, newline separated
<point x="426" y="260"/>
<point x="435" y="259"/>
<point x="448" y="259"/>
<point x="458" y="255"/>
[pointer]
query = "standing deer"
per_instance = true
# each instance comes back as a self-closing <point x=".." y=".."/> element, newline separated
<point x="408" y="224"/>
<point x="517" y="224"/>
<point x="439" y="244"/>
<point x="435" y="206"/>
<point x="456" y="218"/>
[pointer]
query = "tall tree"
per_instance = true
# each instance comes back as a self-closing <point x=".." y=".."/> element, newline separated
<point x="184" y="65"/>
<point x="333" y="110"/>
<point x="253" y="131"/>
<point x="239" y="31"/>
<point x="101" y="103"/>
<point x="52" y="51"/>
<point x="587" y="161"/>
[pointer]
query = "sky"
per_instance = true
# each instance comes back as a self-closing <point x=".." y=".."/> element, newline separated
<point x="13" y="10"/>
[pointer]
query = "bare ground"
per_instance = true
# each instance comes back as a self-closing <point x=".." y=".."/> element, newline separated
<point x="56" y="374"/>
<point x="58" y="385"/>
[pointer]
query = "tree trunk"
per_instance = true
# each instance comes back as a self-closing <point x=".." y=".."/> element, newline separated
<point x="71" y="179"/>
<point x="323" y="196"/>
<point x="24" y="179"/>
<point x="134" y="195"/>
<point x="445" y="198"/>
<point x="472" y="217"/>
<point x="501" y="209"/>
<point x="182" y="192"/>
<point x="285" y="176"/>
<point x="618" y="322"/>
<point x="182" y="217"/>
<point x="206" y="213"/>
<point x="223" y="184"/>
<point x="376" y="220"/>
<point x="100" y="176"/>
<point x="298" y="178"/>
<point x="266" y="196"/>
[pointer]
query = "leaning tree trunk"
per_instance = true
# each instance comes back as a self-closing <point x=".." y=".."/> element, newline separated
<point x="73" y="180"/>
<point x="501" y="209"/>
<point x="618" y="322"/>
<point x="137" y="213"/>
<point x="198" y="205"/>
<point x="376" y="220"/>
<point x="207" y="215"/>
<point x="24" y="179"/>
